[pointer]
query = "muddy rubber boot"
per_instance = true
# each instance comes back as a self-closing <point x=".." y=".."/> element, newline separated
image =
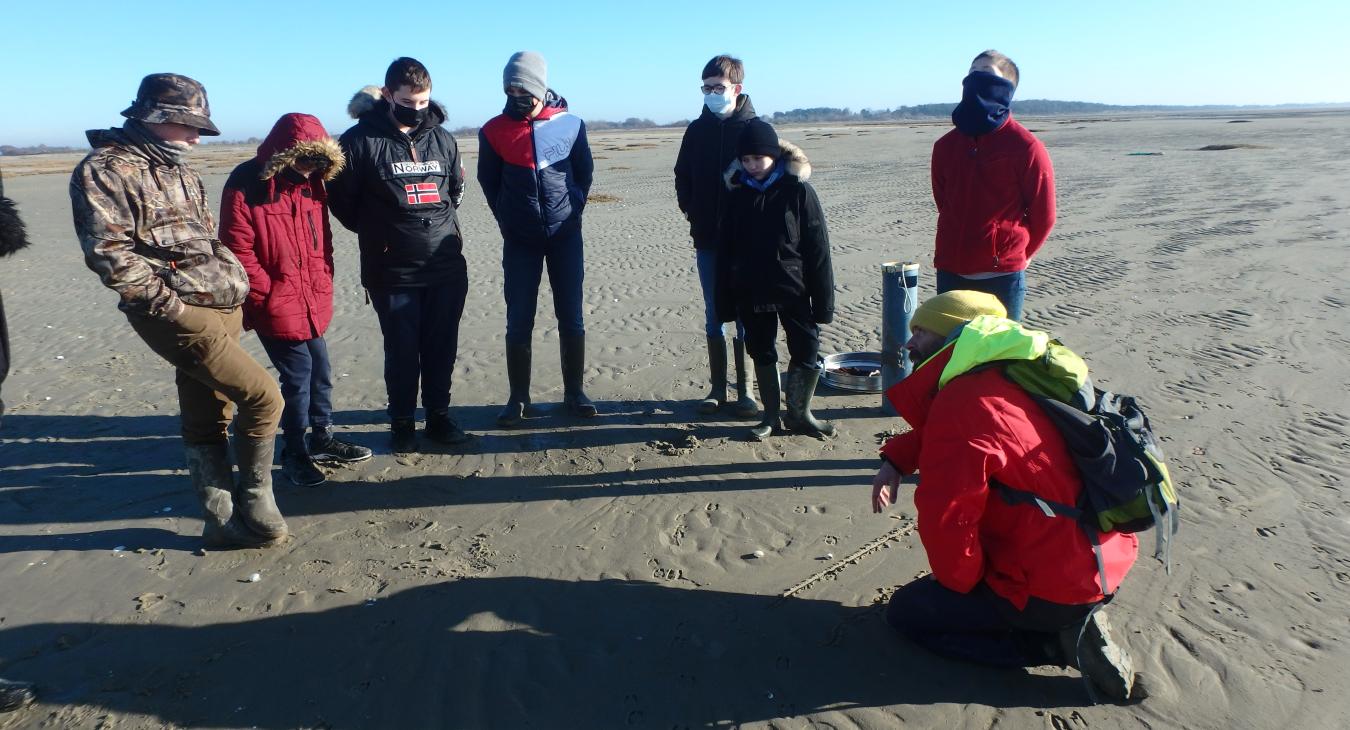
<point x="1103" y="661"/>
<point x="770" y="391"/>
<point x="14" y="695"/>
<point x="572" y="350"/>
<point x="518" y="376"/>
<point x="801" y="387"/>
<point x="717" y="375"/>
<point x="746" y="405"/>
<point x="253" y="500"/>
<point x="208" y="467"/>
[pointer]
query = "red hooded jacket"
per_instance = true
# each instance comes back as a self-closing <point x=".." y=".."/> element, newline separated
<point x="278" y="228"/>
<point x="981" y="426"/>
<point x="995" y="197"/>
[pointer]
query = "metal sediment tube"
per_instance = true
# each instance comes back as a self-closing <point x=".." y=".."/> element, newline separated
<point x="899" y="299"/>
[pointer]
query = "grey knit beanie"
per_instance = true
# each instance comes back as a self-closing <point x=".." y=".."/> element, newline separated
<point x="529" y="71"/>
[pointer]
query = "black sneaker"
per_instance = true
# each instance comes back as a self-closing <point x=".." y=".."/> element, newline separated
<point x="442" y="429"/>
<point x="335" y="449"/>
<point x="300" y="470"/>
<point x="403" y="436"/>
<point x="14" y="695"/>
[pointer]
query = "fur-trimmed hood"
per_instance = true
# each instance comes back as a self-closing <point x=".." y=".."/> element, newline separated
<point x="370" y="99"/>
<point x="295" y="136"/>
<point x="363" y="101"/>
<point x="789" y="154"/>
<point x="13" y="235"/>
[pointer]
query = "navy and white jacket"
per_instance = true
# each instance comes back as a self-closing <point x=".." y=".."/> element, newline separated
<point x="535" y="173"/>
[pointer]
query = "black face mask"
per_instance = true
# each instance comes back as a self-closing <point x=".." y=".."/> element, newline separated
<point x="408" y="116"/>
<point x="293" y="176"/>
<point x="520" y="105"/>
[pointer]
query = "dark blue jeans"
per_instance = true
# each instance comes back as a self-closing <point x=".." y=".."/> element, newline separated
<point x="981" y="626"/>
<point x="523" y="267"/>
<point x="1010" y="288"/>
<point x="421" y="340"/>
<point x="306" y="383"/>
<point x="706" y="260"/>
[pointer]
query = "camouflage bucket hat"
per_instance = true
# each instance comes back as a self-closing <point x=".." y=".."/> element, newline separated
<point x="165" y="98"/>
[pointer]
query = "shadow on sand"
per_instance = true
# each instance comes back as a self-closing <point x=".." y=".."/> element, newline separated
<point x="511" y="653"/>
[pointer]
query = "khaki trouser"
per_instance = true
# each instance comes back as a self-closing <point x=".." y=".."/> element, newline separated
<point x="214" y="372"/>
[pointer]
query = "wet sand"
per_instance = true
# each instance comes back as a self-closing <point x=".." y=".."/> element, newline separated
<point x="601" y="573"/>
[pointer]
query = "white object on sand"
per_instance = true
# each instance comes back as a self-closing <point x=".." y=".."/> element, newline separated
<point x="255" y="578"/>
<point x="758" y="553"/>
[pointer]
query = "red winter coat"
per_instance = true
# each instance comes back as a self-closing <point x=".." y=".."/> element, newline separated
<point x="981" y="426"/>
<point x="278" y="228"/>
<point x="995" y="197"/>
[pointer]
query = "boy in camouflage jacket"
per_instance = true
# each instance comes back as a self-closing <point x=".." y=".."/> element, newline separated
<point x="144" y="223"/>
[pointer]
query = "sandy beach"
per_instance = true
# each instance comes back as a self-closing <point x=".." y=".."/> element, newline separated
<point x="603" y="574"/>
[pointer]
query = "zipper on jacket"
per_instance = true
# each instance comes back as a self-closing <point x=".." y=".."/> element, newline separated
<point x="538" y="180"/>
<point x="313" y="234"/>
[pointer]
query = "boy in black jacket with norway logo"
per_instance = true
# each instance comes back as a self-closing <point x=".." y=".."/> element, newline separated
<point x="399" y="192"/>
<point x="773" y="265"/>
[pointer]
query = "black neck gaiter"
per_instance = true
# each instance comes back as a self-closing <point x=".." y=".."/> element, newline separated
<point x="986" y="100"/>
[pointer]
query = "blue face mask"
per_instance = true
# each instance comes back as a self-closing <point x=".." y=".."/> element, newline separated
<point x="719" y="103"/>
<point x="986" y="100"/>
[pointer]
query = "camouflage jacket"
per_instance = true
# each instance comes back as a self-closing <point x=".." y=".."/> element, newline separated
<point x="147" y="231"/>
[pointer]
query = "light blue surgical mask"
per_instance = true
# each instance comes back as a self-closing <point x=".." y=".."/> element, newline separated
<point x="720" y="103"/>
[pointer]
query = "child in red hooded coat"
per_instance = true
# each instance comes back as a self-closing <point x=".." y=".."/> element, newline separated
<point x="274" y="216"/>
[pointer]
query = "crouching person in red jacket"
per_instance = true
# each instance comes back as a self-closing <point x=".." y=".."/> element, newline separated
<point x="274" y="216"/>
<point x="1010" y="587"/>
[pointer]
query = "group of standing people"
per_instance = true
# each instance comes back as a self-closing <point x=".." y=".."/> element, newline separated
<point x="1007" y="588"/>
<point x="395" y="179"/>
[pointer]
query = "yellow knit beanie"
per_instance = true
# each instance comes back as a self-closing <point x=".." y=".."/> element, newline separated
<point x="945" y="312"/>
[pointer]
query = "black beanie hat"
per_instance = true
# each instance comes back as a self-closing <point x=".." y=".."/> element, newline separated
<point x="758" y="138"/>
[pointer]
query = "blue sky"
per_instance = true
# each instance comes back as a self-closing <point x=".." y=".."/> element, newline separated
<point x="74" y="65"/>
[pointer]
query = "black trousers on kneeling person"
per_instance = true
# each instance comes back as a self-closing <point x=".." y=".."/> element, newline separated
<point x="981" y="626"/>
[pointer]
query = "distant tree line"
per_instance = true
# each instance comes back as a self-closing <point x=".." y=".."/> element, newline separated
<point x="1028" y="107"/>
<point x="9" y="150"/>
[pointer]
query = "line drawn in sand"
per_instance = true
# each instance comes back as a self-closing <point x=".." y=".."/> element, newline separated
<point x="892" y="535"/>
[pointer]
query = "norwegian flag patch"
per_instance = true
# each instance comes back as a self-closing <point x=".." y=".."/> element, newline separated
<point x="422" y="193"/>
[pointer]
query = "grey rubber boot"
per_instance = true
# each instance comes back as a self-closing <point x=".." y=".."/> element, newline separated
<point x="253" y="500"/>
<point x="208" y="467"/>
<point x="518" y="376"/>
<point x="801" y="387"/>
<point x="572" y="350"/>
<point x="771" y="393"/>
<point x="746" y="405"/>
<point x="1092" y="650"/>
<point x="717" y="375"/>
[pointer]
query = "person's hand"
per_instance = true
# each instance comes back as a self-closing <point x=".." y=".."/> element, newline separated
<point x="884" y="486"/>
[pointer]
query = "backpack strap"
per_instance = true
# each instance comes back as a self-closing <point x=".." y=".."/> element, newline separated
<point x="1014" y="496"/>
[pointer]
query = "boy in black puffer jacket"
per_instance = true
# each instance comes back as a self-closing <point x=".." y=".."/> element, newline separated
<point x="399" y="192"/>
<point x="774" y="266"/>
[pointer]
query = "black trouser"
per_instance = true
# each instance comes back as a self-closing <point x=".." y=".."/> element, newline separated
<point x="761" y="334"/>
<point x="421" y="340"/>
<point x="981" y="626"/>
